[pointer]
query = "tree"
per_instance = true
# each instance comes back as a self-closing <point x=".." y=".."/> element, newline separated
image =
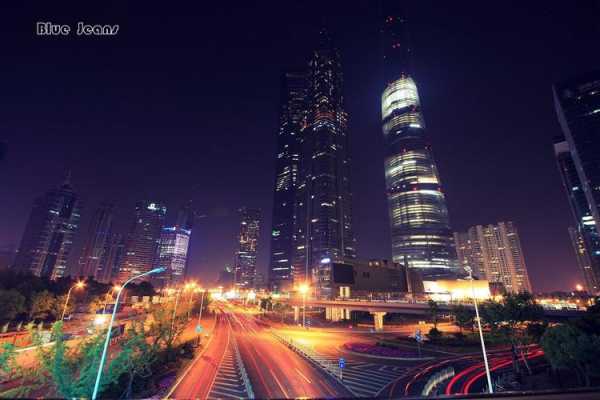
<point x="163" y="328"/>
<point x="463" y="317"/>
<point x="12" y="303"/>
<point x="567" y="347"/>
<point x="492" y="313"/>
<point x="43" y="305"/>
<point x="73" y="371"/>
<point x="434" y="312"/>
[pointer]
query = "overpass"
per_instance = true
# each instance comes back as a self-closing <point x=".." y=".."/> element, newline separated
<point x="339" y="309"/>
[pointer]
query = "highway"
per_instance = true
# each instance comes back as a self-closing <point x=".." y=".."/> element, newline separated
<point x="276" y="371"/>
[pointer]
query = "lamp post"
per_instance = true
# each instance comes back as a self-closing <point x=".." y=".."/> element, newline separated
<point x="110" y="293"/>
<point x="200" y="312"/>
<point x="485" y="360"/>
<point x="304" y="289"/>
<point x="78" y="285"/>
<point x="192" y="287"/>
<point x="109" y="329"/>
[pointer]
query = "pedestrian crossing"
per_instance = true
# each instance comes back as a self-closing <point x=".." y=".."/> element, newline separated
<point x="365" y="379"/>
<point x="228" y="382"/>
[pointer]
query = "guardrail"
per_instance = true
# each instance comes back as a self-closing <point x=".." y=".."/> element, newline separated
<point x="310" y="354"/>
<point x="436" y="379"/>
<point x="240" y="363"/>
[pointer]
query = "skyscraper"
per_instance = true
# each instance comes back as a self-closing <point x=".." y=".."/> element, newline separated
<point x="142" y="245"/>
<point x="323" y="228"/>
<point x="494" y="253"/>
<point x="287" y="165"/>
<point x="111" y="259"/>
<point x="174" y="245"/>
<point x="96" y="244"/>
<point x="420" y="229"/>
<point x="48" y="237"/>
<point x="245" y="259"/>
<point x="577" y="103"/>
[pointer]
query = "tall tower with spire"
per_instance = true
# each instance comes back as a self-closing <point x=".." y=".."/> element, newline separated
<point x="421" y="235"/>
<point x="323" y="231"/>
<point x="48" y="238"/>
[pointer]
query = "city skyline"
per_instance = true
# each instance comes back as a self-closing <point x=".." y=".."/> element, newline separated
<point x="458" y="173"/>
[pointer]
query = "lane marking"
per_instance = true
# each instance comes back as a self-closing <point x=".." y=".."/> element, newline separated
<point x="302" y="375"/>
<point x="279" y="384"/>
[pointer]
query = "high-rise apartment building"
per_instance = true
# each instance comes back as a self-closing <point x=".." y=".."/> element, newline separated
<point x="142" y="244"/>
<point x="421" y="235"/>
<point x="577" y="103"/>
<point x="494" y="253"/>
<point x="96" y="244"/>
<point x="323" y="228"/>
<point x="291" y="119"/>
<point x="245" y="258"/>
<point x="48" y="237"/>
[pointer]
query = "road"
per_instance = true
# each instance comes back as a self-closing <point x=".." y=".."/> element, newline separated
<point x="276" y="371"/>
<point x="197" y="380"/>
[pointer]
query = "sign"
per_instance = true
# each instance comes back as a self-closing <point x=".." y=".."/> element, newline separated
<point x="342" y="363"/>
<point x="418" y="336"/>
<point x="198" y="329"/>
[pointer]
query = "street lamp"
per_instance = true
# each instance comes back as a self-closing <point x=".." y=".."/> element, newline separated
<point x="485" y="360"/>
<point x="78" y="285"/>
<point x="200" y="312"/>
<point x="109" y="330"/>
<point x="114" y="289"/>
<point x="304" y="289"/>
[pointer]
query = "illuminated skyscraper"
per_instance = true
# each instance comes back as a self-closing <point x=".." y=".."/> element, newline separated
<point x="323" y="227"/>
<point x="245" y="260"/>
<point x="577" y="103"/>
<point x="112" y="259"/>
<point x="494" y="253"/>
<point x="174" y="245"/>
<point x="421" y="235"/>
<point x="97" y="241"/>
<point x="141" y="254"/>
<point x="291" y="119"/>
<point x="48" y="237"/>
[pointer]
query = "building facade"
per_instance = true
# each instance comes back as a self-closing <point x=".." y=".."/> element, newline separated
<point x="112" y="258"/>
<point x="173" y="255"/>
<point x="245" y="258"/>
<point x="577" y="104"/>
<point x="48" y="238"/>
<point x="142" y="244"/>
<point x="291" y="119"/>
<point x="323" y="227"/>
<point x="96" y="242"/>
<point x="421" y="235"/>
<point x="494" y="253"/>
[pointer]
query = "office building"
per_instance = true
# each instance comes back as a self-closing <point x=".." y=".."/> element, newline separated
<point x="96" y="243"/>
<point x="421" y="235"/>
<point x="245" y="259"/>
<point x="494" y="254"/>
<point x="291" y="118"/>
<point x="48" y="238"/>
<point x="174" y="245"/>
<point x="142" y="244"/>
<point x="323" y="228"/>
<point x="112" y="258"/>
<point x="577" y="103"/>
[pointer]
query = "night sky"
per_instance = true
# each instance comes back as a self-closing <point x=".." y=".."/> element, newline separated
<point x="183" y="104"/>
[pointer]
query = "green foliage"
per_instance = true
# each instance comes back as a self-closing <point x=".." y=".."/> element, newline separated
<point x="164" y="327"/>
<point x="434" y="312"/>
<point x="12" y="303"/>
<point x="43" y="305"/>
<point x="567" y="347"/>
<point x="8" y="363"/>
<point x="463" y="317"/>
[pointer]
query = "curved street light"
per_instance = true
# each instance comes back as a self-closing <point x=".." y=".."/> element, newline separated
<point x="78" y="285"/>
<point x="109" y="330"/>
